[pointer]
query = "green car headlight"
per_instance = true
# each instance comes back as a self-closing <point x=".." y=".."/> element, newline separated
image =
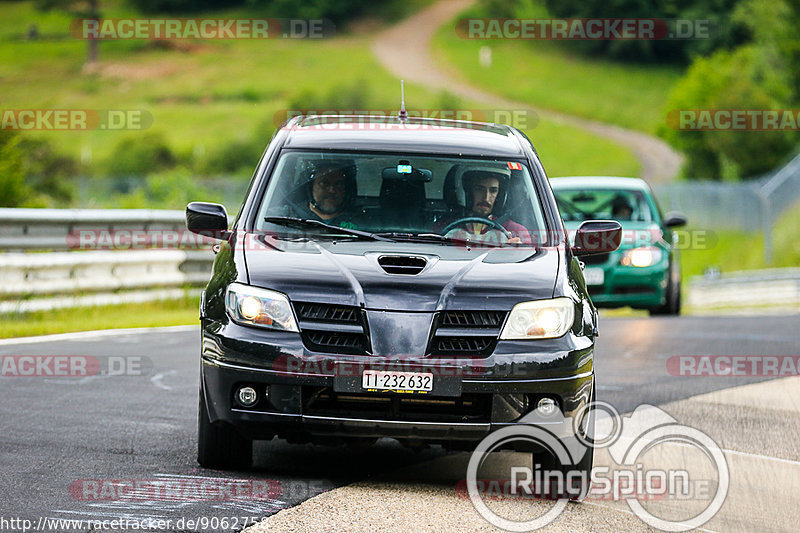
<point x="644" y="256"/>
<point x="540" y="319"/>
<point x="262" y="308"/>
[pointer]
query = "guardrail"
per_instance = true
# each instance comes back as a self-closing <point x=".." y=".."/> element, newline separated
<point x="769" y="287"/>
<point x="65" y="272"/>
<point x="51" y="279"/>
<point x="49" y="229"/>
<point x="36" y="273"/>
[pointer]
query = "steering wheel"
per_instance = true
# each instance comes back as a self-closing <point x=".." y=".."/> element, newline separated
<point x="480" y="220"/>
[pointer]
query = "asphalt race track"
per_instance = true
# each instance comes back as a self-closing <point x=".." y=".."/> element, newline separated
<point x="68" y="444"/>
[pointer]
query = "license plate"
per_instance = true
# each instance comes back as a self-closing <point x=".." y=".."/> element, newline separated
<point x="594" y="276"/>
<point x="397" y="381"/>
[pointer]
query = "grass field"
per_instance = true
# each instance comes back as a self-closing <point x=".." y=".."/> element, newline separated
<point x="543" y="74"/>
<point x="151" y="314"/>
<point x="735" y="251"/>
<point x="202" y="94"/>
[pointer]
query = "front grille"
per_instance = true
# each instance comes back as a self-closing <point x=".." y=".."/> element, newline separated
<point x="332" y="328"/>
<point x="462" y="345"/>
<point x="402" y="264"/>
<point x="469" y="407"/>
<point x="595" y="259"/>
<point x="473" y="319"/>
<point x="328" y="339"/>
<point x="634" y="289"/>
<point x="466" y="333"/>
<point x="326" y="312"/>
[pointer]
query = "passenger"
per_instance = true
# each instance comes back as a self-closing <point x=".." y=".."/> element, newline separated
<point x="330" y="195"/>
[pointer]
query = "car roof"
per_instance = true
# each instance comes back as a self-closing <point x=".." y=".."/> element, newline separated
<point x="599" y="182"/>
<point x="420" y="135"/>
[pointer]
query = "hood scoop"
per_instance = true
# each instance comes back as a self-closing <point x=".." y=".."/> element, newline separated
<point x="407" y="265"/>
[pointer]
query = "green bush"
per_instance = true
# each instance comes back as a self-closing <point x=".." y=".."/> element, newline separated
<point x="726" y="31"/>
<point x="234" y="157"/>
<point x="137" y="156"/>
<point x="49" y="173"/>
<point x="173" y="189"/>
<point x="177" y="6"/>
<point x="336" y="10"/>
<point x="14" y="192"/>
<point x="346" y="96"/>
<point x="747" y="78"/>
<point x="761" y="75"/>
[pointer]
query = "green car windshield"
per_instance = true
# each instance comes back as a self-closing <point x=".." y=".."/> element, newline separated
<point x="403" y="196"/>
<point x="577" y="205"/>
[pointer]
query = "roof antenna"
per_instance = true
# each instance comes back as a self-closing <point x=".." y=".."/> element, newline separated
<point x="403" y="115"/>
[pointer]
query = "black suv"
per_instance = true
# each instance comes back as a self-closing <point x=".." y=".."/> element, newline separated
<point x="389" y="277"/>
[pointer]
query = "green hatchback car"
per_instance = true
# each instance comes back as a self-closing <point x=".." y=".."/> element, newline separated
<point x="644" y="272"/>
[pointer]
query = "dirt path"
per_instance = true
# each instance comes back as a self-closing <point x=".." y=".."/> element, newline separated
<point x="405" y="50"/>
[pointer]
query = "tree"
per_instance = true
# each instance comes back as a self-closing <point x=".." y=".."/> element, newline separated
<point x="86" y="9"/>
<point x="762" y="74"/>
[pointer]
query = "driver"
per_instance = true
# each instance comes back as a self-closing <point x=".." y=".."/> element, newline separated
<point x="484" y="192"/>
<point x="620" y="208"/>
<point x="330" y="195"/>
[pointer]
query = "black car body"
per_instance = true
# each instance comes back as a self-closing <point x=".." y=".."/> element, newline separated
<point x="402" y="301"/>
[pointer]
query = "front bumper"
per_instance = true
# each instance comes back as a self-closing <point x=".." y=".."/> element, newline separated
<point x="643" y="287"/>
<point x="301" y="403"/>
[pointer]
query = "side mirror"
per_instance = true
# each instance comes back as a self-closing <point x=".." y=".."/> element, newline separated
<point x="674" y="219"/>
<point x="597" y="237"/>
<point x="207" y="219"/>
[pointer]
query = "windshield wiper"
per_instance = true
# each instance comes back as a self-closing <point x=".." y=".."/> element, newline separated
<point x="416" y="237"/>
<point x="301" y="223"/>
<point x="436" y="238"/>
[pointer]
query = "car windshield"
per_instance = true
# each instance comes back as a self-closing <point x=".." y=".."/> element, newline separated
<point x="405" y="197"/>
<point x="614" y="204"/>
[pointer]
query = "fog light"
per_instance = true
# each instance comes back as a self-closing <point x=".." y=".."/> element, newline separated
<point x="547" y="406"/>
<point x="247" y="396"/>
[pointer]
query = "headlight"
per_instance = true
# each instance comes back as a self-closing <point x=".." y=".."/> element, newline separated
<point x="641" y="257"/>
<point x="540" y="319"/>
<point x="259" y="307"/>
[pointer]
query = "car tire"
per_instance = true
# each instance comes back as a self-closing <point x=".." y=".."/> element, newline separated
<point x="672" y="304"/>
<point x="579" y="490"/>
<point x="219" y="445"/>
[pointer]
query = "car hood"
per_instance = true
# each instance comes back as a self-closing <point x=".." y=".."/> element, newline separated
<point x="348" y="273"/>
